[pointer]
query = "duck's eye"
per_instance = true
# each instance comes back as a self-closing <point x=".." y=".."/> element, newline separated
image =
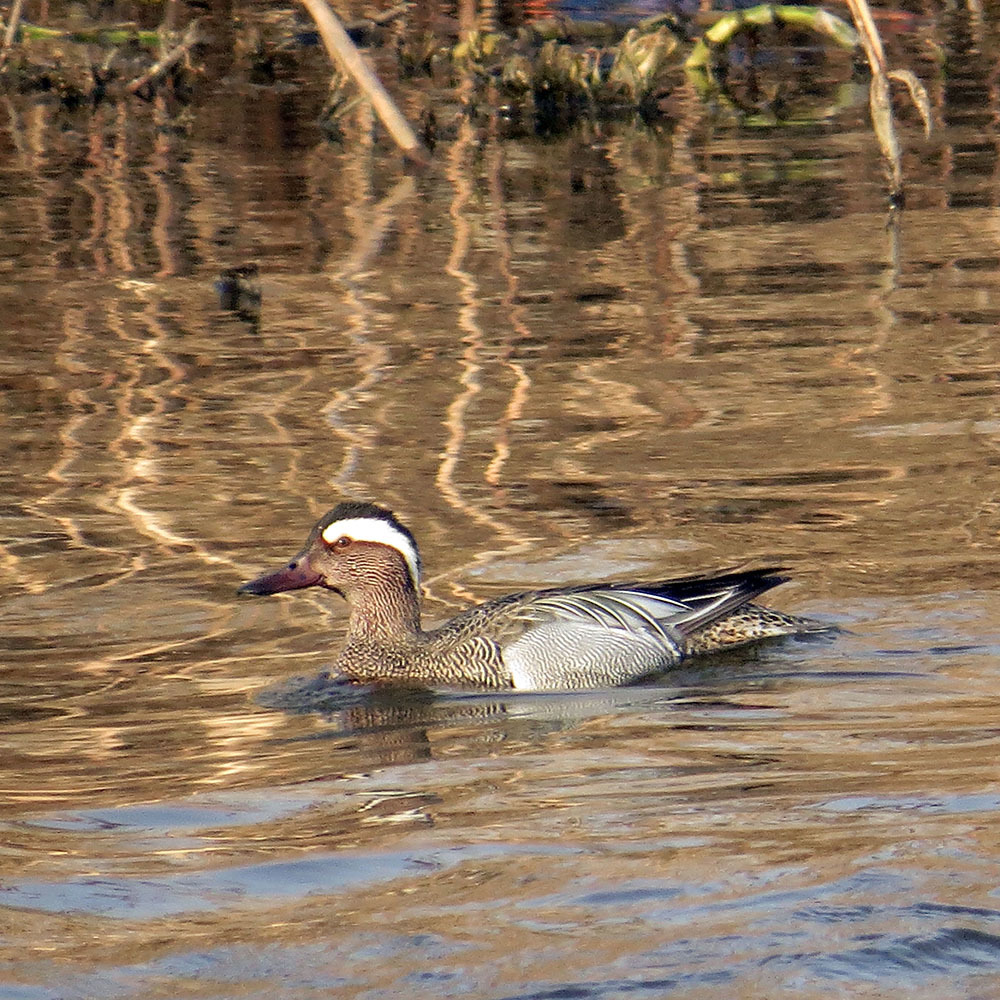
<point x="342" y="542"/>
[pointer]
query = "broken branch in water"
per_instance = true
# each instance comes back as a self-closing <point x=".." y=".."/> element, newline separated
<point x="343" y="51"/>
<point x="879" y="100"/>
<point x="11" y="32"/>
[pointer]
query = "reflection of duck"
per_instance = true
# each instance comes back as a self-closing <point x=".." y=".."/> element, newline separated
<point x="565" y="638"/>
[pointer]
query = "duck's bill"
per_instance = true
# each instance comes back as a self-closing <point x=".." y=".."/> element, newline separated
<point x="294" y="576"/>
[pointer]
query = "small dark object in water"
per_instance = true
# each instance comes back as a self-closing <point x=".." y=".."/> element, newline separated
<point x="239" y="291"/>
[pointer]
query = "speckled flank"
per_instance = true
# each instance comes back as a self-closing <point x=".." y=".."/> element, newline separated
<point x="565" y="638"/>
<point x="750" y="624"/>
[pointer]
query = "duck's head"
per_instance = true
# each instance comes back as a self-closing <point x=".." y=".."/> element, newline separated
<point x="354" y="546"/>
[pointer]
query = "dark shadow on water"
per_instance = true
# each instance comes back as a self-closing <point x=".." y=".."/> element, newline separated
<point x="935" y="650"/>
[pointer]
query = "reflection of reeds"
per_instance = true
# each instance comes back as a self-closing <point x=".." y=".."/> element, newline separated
<point x="371" y="225"/>
<point x="470" y="377"/>
<point x="519" y="324"/>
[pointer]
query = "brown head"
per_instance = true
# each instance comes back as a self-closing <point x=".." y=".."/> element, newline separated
<point x="361" y="552"/>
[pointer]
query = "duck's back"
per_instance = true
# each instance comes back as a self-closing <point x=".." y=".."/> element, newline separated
<point x="603" y="635"/>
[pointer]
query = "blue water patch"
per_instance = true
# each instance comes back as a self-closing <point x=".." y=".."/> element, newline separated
<point x="147" y="898"/>
<point x="28" y="993"/>
<point x="951" y="805"/>
<point x="913" y="958"/>
<point x="151" y="897"/>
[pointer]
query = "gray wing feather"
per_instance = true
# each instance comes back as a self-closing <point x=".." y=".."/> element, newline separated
<point x="632" y="610"/>
<point x="635" y="603"/>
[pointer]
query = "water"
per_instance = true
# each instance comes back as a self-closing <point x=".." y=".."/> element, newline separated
<point x="609" y="354"/>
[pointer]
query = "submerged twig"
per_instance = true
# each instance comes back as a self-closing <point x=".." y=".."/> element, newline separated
<point x="161" y="66"/>
<point x="343" y="51"/>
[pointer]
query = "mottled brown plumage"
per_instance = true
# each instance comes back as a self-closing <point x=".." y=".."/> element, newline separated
<point x="563" y="638"/>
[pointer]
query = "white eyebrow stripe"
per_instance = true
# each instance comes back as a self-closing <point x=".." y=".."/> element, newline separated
<point x="374" y="529"/>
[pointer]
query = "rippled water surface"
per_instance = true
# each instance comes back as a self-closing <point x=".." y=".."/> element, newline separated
<point x="612" y="353"/>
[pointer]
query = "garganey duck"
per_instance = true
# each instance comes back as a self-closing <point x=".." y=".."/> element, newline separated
<point x="595" y="635"/>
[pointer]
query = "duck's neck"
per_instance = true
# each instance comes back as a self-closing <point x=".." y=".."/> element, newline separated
<point x="385" y="616"/>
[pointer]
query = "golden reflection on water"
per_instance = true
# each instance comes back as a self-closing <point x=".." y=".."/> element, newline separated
<point x="601" y="355"/>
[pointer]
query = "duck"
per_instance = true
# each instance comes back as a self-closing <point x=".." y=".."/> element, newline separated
<point x="562" y="638"/>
